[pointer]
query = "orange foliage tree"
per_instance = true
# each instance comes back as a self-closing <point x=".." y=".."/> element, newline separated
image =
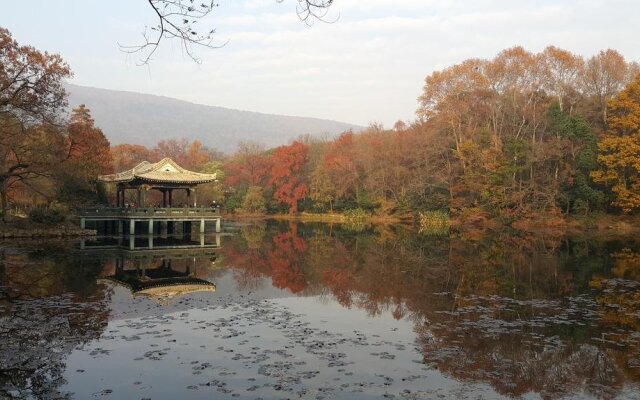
<point x="88" y="156"/>
<point x="31" y="100"/>
<point x="126" y="156"/>
<point x="619" y="151"/>
<point x="287" y="164"/>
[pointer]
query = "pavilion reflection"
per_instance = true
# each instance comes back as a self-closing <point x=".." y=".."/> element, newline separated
<point x="161" y="268"/>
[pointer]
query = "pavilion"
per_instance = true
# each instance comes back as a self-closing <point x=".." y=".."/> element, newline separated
<point x="165" y="175"/>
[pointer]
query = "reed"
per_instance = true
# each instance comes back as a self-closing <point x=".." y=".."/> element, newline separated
<point x="434" y="223"/>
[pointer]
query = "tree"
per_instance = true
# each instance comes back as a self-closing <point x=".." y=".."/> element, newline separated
<point x="126" y="156"/>
<point x="253" y="202"/>
<point x="322" y="190"/>
<point x="31" y="100"/>
<point x="88" y="155"/>
<point x="619" y="151"/>
<point x="176" y="149"/>
<point x="605" y="75"/>
<point x="286" y="166"/>
<point x="248" y="167"/>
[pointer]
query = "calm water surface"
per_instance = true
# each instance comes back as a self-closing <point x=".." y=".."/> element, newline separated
<point x="311" y="311"/>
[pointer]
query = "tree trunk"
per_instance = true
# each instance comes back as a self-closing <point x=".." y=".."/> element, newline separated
<point x="4" y="203"/>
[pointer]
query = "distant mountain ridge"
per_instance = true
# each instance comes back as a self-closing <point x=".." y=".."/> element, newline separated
<point x="137" y="118"/>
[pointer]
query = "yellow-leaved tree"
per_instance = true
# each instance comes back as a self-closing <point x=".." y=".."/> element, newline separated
<point x="619" y="151"/>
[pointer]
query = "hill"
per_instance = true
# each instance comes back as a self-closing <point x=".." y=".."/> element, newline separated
<point x="129" y="117"/>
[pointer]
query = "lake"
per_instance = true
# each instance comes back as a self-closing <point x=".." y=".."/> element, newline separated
<point x="279" y="310"/>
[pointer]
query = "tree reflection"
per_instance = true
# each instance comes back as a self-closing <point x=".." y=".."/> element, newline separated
<point x="50" y="304"/>
<point x="525" y="314"/>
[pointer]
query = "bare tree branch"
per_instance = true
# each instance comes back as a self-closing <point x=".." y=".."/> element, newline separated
<point x="178" y="19"/>
<point x="311" y="10"/>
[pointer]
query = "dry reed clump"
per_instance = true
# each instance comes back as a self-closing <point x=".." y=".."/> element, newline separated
<point x="435" y="223"/>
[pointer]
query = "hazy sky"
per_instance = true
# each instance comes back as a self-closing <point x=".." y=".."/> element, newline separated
<point x="368" y="66"/>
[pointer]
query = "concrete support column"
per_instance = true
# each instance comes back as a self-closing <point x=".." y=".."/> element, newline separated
<point x="132" y="227"/>
<point x="82" y="223"/>
<point x="202" y="225"/>
<point x="150" y="227"/>
<point x="218" y="225"/>
<point x="120" y="227"/>
<point x="150" y="241"/>
<point x="218" y="240"/>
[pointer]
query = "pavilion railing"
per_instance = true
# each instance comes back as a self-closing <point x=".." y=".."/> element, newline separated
<point x="149" y="212"/>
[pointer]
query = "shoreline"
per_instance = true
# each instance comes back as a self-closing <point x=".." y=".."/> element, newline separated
<point x="608" y="225"/>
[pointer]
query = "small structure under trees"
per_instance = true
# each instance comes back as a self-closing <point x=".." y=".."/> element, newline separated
<point x="165" y="175"/>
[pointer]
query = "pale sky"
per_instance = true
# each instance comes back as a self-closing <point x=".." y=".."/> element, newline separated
<point x="368" y="66"/>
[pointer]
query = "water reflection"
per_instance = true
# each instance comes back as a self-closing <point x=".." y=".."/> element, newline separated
<point x="52" y="300"/>
<point x="545" y="315"/>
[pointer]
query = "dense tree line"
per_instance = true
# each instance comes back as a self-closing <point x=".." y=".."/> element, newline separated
<point x="522" y="134"/>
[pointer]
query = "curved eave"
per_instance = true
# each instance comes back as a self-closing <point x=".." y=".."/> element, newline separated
<point x="177" y="181"/>
<point x="106" y="179"/>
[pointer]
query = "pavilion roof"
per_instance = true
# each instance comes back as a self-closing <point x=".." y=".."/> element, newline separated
<point x="164" y="171"/>
<point x="164" y="289"/>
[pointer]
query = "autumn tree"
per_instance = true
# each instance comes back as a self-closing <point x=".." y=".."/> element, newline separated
<point x="249" y="166"/>
<point x="253" y="202"/>
<point x="32" y="98"/>
<point x="88" y="155"/>
<point x="605" y="75"/>
<point x="287" y="164"/>
<point x="321" y="189"/>
<point x="126" y="156"/>
<point x="619" y="151"/>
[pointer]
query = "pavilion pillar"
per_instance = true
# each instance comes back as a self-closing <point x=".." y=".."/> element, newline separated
<point x="170" y="198"/>
<point x="195" y="197"/>
<point x="188" y="197"/>
<point x="164" y="198"/>
<point x="186" y="230"/>
<point x="139" y="197"/>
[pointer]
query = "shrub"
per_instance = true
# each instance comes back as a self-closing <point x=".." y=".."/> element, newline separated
<point x="355" y="215"/>
<point x="55" y="213"/>
<point x="434" y="223"/>
<point x="253" y="202"/>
